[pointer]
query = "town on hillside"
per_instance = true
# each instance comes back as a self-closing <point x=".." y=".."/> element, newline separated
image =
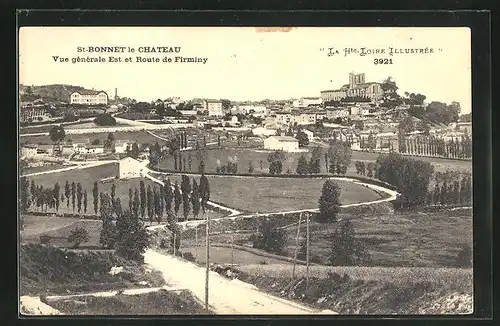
<point x="355" y="200"/>
<point x="369" y="116"/>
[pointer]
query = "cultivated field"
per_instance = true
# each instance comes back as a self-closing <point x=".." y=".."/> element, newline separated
<point x="278" y="194"/>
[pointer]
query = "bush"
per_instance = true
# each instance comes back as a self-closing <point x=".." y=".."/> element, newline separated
<point x="346" y="249"/>
<point x="464" y="257"/>
<point x="270" y="238"/>
<point x="105" y="119"/>
<point x="78" y="236"/>
<point x="189" y="256"/>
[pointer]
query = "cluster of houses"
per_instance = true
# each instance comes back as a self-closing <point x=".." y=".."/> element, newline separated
<point x="33" y="151"/>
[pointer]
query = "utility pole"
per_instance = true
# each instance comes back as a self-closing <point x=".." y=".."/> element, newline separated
<point x="207" y="259"/>
<point x="232" y="249"/>
<point x="196" y="244"/>
<point x="307" y="252"/>
<point x="296" y="248"/>
<point x="295" y="254"/>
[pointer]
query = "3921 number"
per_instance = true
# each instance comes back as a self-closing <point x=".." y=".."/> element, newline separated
<point x="382" y="61"/>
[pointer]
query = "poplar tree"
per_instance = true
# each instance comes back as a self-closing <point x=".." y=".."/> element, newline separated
<point x="73" y="195"/>
<point x="177" y="198"/>
<point x="168" y="195"/>
<point x="85" y="201"/>
<point x="142" y="190"/>
<point x="195" y="199"/>
<point x="95" y="194"/>
<point x="79" y="196"/>
<point x="150" y="203"/>
<point x="67" y="193"/>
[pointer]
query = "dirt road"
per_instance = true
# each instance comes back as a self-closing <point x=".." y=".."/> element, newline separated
<point x="225" y="296"/>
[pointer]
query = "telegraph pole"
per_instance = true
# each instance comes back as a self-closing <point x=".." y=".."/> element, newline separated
<point x="307" y="252"/>
<point x="296" y="248"/>
<point x="196" y="243"/>
<point x="207" y="259"/>
<point x="232" y="249"/>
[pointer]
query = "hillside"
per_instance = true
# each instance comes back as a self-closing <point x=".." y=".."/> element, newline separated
<point x="56" y="92"/>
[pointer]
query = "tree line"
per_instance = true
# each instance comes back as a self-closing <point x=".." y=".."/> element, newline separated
<point x="432" y="146"/>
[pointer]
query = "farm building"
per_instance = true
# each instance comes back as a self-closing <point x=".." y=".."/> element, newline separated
<point x="130" y="168"/>
<point x="29" y="150"/>
<point x="284" y="143"/>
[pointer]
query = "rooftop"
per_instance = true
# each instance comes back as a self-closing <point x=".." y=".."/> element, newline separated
<point x="89" y="92"/>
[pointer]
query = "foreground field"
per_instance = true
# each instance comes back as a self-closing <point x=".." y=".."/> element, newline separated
<point x="156" y="303"/>
<point x="49" y="270"/>
<point x="279" y="194"/>
<point x="396" y="240"/>
<point x="369" y="290"/>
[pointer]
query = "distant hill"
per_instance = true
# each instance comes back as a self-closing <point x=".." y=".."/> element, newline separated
<point x="56" y="92"/>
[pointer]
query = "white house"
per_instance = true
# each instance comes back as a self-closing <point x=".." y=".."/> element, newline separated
<point x="214" y="108"/>
<point x="121" y="146"/>
<point x="309" y="133"/>
<point x="89" y="97"/>
<point x="260" y="131"/>
<point x="29" y="150"/>
<point x="284" y="143"/>
<point x="130" y="168"/>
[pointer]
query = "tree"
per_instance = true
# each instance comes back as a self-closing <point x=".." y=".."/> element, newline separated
<point x="150" y="203"/>
<point x="329" y="202"/>
<point x="407" y="125"/>
<point x="109" y="143"/>
<point x="95" y="193"/>
<point x="142" y="190"/>
<point x="270" y="238"/>
<point x="132" y="238"/>
<point x="79" y="196"/>
<point x="78" y="236"/>
<point x="186" y="190"/>
<point x="369" y="169"/>
<point x="57" y="190"/>
<point x="302" y="165"/>
<point x="340" y="154"/>
<point x="157" y="204"/>
<point x="108" y="231"/>
<point x="250" y="168"/>
<point x="57" y="134"/>
<point x="195" y="199"/>
<point x="33" y="191"/>
<point x="411" y="177"/>
<point x="314" y="163"/>
<point x="204" y="189"/>
<point x="25" y="196"/>
<point x="67" y="193"/>
<point x="177" y="198"/>
<point x="133" y="151"/>
<point x="130" y="199"/>
<point x="105" y="119"/>
<point x="85" y="201"/>
<point x="167" y="195"/>
<point x="136" y="204"/>
<point x="73" y="195"/>
<point x="359" y="125"/>
<point x="276" y="159"/>
<point x="302" y="138"/>
<point x="346" y="249"/>
<point x="390" y="97"/>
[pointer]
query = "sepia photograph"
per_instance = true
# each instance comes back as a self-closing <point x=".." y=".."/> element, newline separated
<point x="171" y="171"/>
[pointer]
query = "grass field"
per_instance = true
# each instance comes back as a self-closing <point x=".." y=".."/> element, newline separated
<point x="45" y="167"/>
<point x="397" y="240"/>
<point x="279" y="194"/>
<point x="87" y="177"/>
<point x="413" y="239"/>
<point x="156" y="303"/>
<point x="138" y="136"/>
<point x="60" y="227"/>
<point x="256" y="156"/>
<point x="223" y="255"/>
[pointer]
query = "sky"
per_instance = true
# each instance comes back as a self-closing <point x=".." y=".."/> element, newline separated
<point x="244" y="64"/>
